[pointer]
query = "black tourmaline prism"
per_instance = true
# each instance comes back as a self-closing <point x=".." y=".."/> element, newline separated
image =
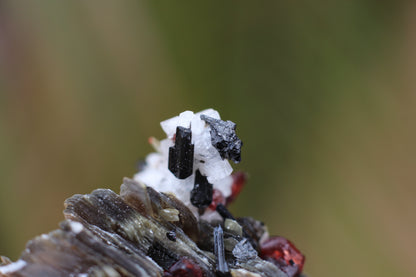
<point x="224" y="138"/>
<point x="181" y="155"/>
<point x="201" y="194"/>
<point x="223" y="211"/>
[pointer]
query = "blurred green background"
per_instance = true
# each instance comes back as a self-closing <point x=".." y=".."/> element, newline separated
<point x="323" y="93"/>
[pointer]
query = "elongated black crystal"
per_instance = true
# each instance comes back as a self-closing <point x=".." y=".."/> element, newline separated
<point x="222" y="266"/>
<point x="224" y="138"/>
<point x="181" y="155"/>
<point x="224" y="212"/>
<point x="162" y="256"/>
<point x="201" y="194"/>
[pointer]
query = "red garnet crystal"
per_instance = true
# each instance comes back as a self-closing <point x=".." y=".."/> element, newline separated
<point x="283" y="254"/>
<point x="217" y="198"/>
<point x="184" y="268"/>
<point x="239" y="179"/>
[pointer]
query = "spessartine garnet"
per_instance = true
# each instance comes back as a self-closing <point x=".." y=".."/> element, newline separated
<point x="239" y="179"/>
<point x="184" y="268"/>
<point x="283" y="254"/>
<point x="217" y="198"/>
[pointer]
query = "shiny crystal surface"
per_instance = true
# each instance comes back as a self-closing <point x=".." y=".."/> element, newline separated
<point x="201" y="194"/>
<point x="224" y="138"/>
<point x="170" y="220"/>
<point x="244" y="251"/>
<point x="284" y="254"/>
<point x="181" y="155"/>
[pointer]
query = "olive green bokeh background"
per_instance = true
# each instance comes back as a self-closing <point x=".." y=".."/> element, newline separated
<point x="322" y="93"/>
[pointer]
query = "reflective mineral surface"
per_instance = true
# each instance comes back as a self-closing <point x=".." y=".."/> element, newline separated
<point x="171" y="220"/>
<point x="129" y="234"/>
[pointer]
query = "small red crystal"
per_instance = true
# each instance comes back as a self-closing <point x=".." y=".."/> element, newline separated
<point x="239" y="179"/>
<point x="283" y="254"/>
<point x="185" y="268"/>
<point x="217" y="198"/>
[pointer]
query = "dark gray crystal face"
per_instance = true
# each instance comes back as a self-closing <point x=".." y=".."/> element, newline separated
<point x="224" y="212"/>
<point x="224" y="138"/>
<point x="253" y="230"/>
<point x="181" y="155"/>
<point x="201" y="194"/>
<point x="161" y="255"/>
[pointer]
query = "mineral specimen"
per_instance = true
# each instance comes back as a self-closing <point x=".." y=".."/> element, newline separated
<point x="171" y="235"/>
<point x="222" y="210"/>
<point x="284" y="254"/>
<point x="184" y="268"/>
<point x="233" y="226"/>
<point x="201" y="194"/>
<point x="159" y="173"/>
<point x="223" y="137"/>
<point x="181" y="156"/>
<point x="243" y="251"/>
<point x="239" y="179"/>
<point x="170" y="221"/>
<point x="222" y="266"/>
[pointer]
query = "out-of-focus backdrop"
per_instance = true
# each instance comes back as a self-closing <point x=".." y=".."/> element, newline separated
<point x="323" y="93"/>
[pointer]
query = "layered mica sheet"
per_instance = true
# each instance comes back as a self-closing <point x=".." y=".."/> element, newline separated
<point x="106" y="234"/>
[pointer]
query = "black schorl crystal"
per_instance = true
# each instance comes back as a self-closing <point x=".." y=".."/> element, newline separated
<point x="162" y="256"/>
<point x="222" y="266"/>
<point x="171" y="235"/>
<point x="201" y="194"/>
<point x="224" y="138"/>
<point x="181" y="155"/>
<point x="224" y="212"/>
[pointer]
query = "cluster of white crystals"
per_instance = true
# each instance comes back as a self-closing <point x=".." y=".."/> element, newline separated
<point x="207" y="160"/>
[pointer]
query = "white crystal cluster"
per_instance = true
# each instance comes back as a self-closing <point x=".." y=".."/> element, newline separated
<point x="207" y="160"/>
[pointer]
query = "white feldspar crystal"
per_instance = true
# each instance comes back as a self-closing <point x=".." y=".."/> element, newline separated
<point x="207" y="160"/>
